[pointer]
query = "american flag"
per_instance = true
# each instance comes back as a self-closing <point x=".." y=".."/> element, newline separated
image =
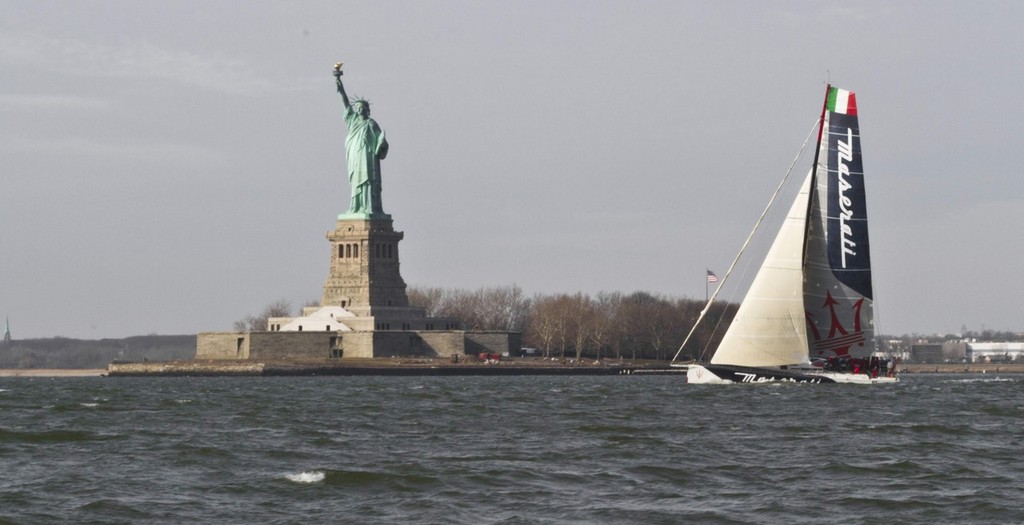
<point x="712" y="278"/>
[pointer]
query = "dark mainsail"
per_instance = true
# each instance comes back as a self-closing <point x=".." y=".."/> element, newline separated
<point x="837" y="289"/>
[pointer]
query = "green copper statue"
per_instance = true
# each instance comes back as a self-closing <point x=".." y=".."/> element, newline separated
<point x="365" y="147"/>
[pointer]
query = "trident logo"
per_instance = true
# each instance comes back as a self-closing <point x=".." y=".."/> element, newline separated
<point x="838" y="341"/>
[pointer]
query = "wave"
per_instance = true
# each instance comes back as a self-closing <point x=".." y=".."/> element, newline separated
<point x="50" y="436"/>
<point x="983" y="380"/>
<point x="398" y="482"/>
<point x="311" y="476"/>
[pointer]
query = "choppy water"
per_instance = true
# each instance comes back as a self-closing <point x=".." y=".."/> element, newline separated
<point x="626" y="449"/>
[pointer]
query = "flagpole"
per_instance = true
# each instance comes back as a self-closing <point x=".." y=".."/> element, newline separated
<point x="707" y="271"/>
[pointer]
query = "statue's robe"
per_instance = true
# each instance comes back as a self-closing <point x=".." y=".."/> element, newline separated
<point x="365" y="146"/>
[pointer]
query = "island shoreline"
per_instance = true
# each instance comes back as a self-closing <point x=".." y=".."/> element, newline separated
<point x="425" y="367"/>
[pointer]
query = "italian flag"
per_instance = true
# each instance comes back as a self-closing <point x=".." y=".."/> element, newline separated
<point x="841" y="101"/>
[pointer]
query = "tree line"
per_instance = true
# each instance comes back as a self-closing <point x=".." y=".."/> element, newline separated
<point x="639" y="325"/>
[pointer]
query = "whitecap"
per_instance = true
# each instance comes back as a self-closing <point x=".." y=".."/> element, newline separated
<point x="312" y="476"/>
<point x="983" y="380"/>
<point x="182" y="401"/>
<point x="89" y="405"/>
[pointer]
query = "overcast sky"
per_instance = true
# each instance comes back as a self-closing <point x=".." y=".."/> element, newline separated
<point x="170" y="167"/>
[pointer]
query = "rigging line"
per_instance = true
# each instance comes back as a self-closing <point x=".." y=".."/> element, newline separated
<point x="711" y="336"/>
<point x="757" y="225"/>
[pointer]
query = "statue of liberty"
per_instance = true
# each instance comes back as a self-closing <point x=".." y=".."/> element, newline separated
<point x="365" y="147"/>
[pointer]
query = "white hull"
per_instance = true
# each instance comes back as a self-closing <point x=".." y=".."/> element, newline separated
<point x="724" y="375"/>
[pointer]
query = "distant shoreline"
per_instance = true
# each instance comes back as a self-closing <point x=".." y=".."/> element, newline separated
<point x="391" y="367"/>
<point x="962" y="368"/>
<point x="52" y="372"/>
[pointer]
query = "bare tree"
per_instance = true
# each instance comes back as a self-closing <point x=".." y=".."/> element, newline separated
<point x="577" y="312"/>
<point x="464" y="306"/>
<point x="497" y="308"/>
<point x="447" y="302"/>
<point x="602" y="320"/>
<point x="547" y="325"/>
<point x="431" y="299"/>
<point x="258" y="323"/>
<point x="662" y="320"/>
<point x="635" y="318"/>
<point x="501" y="308"/>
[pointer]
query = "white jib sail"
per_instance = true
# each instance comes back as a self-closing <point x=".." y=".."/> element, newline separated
<point x="770" y="326"/>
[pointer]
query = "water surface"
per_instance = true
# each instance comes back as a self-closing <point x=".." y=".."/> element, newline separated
<point x="620" y="449"/>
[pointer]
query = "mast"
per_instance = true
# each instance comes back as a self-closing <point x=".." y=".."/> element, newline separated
<point x="814" y="165"/>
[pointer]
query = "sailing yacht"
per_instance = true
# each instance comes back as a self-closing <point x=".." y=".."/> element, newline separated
<point x="808" y="315"/>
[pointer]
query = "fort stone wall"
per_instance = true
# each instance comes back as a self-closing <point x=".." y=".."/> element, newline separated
<point x="504" y="343"/>
<point x="291" y="345"/>
<point x="222" y="345"/>
<point x="340" y="345"/>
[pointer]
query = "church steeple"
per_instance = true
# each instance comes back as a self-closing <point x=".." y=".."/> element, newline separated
<point x="7" y="330"/>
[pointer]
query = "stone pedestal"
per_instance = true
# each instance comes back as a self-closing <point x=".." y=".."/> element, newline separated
<point x="364" y="271"/>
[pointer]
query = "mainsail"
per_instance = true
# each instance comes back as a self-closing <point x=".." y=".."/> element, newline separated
<point x="837" y="289"/>
<point x="812" y="295"/>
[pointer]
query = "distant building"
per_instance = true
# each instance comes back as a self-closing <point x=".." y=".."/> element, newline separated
<point x="994" y="352"/>
<point x="892" y="349"/>
<point x="968" y="351"/>
<point x="7" y="330"/>
<point x="933" y="353"/>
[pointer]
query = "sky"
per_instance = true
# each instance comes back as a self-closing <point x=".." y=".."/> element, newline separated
<point x="171" y="167"/>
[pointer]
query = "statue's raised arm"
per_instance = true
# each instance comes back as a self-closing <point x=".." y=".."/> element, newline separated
<point x="341" y="87"/>
<point x="365" y="147"/>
